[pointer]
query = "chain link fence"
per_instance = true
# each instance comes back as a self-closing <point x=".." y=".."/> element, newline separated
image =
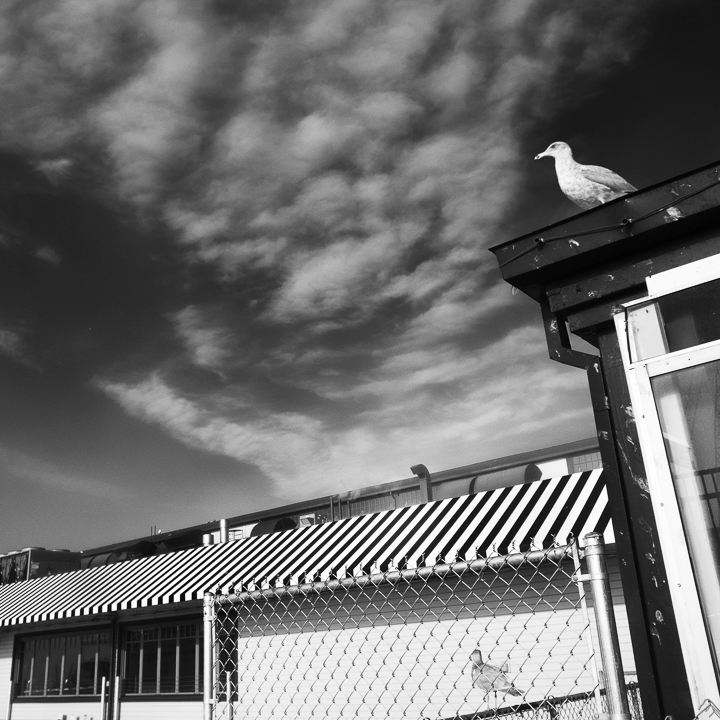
<point x="505" y="636"/>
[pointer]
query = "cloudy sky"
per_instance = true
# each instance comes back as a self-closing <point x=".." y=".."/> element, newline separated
<point x="243" y="243"/>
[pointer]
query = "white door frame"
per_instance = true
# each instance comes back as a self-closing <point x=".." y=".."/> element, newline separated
<point x="683" y="591"/>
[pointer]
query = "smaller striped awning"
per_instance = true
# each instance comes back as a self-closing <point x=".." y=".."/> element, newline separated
<point x="530" y="516"/>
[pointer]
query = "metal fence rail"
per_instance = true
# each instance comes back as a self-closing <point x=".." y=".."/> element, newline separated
<point x="495" y="637"/>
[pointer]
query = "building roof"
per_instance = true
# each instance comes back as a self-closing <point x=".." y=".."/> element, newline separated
<point x="630" y="226"/>
<point x="524" y="517"/>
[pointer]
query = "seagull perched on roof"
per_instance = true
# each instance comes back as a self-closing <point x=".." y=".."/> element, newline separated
<point x="490" y="678"/>
<point x="590" y="185"/>
<point x="586" y="185"/>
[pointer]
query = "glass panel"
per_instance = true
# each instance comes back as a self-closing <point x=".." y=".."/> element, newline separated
<point x="674" y="322"/>
<point x="88" y="653"/>
<point x="104" y="652"/>
<point x="72" y="664"/>
<point x="688" y="403"/>
<point x="38" y="674"/>
<point x="186" y="680"/>
<point x="55" y="664"/>
<point x="131" y="675"/>
<point x="168" y="645"/>
<point x="25" y="662"/>
<point x="148" y="681"/>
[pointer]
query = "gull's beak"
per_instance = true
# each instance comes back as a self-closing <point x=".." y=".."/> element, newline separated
<point x="540" y="155"/>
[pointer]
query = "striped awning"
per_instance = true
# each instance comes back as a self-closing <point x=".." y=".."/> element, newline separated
<point x="523" y="517"/>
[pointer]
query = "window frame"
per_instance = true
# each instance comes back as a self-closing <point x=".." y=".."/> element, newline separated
<point x="18" y="657"/>
<point x="158" y="626"/>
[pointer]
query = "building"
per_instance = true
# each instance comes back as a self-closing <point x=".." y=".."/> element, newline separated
<point x="125" y="638"/>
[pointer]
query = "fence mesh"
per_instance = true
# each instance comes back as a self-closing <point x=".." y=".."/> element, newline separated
<point x="501" y="637"/>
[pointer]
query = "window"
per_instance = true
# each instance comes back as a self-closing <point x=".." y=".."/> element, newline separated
<point x="163" y="659"/>
<point x="588" y="461"/>
<point x="67" y="664"/>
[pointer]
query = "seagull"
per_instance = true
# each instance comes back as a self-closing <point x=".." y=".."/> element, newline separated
<point x="490" y="678"/>
<point x="589" y="185"/>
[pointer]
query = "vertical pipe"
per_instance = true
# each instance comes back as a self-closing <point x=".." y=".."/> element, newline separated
<point x="103" y="697"/>
<point x="606" y="628"/>
<point x="207" y="539"/>
<point x="10" y="699"/>
<point x="208" y="606"/>
<point x="223" y="531"/>
<point x="228" y="694"/>
<point x="116" y="699"/>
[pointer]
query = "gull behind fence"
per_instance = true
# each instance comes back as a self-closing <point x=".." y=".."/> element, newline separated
<point x="503" y="636"/>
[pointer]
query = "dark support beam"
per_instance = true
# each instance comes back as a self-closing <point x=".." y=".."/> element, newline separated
<point x="639" y="566"/>
<point x="662" y="662"/>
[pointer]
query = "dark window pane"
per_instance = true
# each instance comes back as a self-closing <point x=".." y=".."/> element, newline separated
<point x="25" y="656"/>
<point x="187" y="665"/>
<point x="149" y="665"/>
<point x="55" y="664"/>
<point x="38" y="675"/>
<point x="72" y="663"/>
<point x="88" y="652"/>
<point x="167" y="664"/>
<point x="132" y="667"/>
<point x="104" y="652"/>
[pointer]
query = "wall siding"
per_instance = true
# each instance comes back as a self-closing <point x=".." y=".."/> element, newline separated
<point x="52" y="711"/>
<point x="6" y="651"/>
<point x="160" y="710"/>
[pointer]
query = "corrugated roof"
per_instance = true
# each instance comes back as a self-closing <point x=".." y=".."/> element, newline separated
<point x="523" y="517"/>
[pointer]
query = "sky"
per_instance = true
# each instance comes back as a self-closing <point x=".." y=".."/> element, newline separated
<point x="244" y="243"/>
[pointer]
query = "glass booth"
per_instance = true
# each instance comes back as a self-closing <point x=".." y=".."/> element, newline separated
<point x="670" y="344"/>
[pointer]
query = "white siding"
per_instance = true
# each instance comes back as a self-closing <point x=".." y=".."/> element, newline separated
<point x="6" y="650"/>
<point x="179" y="710"/>
<point x="53" y="711"/>
<point x="418" y="670"/>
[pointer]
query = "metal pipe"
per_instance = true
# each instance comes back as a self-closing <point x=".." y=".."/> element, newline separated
<point x="10" y="699"/>
<point x="207" y="539"/>
<point x="208" y="608"/>
<point x="116" y="699"/>
<point x="423" y="474"/>
<point x="606" y="628"/>
<point x="228" y="694"/>
<point x="394" y="577"/>
<point x="223" y="531"/>
<point x="103" y="697"/>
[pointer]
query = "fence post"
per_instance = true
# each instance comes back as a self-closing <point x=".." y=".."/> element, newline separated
<point x="208" y="617"/>
<point x="606" y="628"/>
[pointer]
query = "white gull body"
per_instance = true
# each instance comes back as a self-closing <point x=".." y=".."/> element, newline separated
<point x="586" y="185"/>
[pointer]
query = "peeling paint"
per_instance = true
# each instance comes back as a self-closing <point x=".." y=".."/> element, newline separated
<point x="592" y="294"/>
<point x="554" y="325"/>
<point x="650" y="557"/>
<point x="659" y="616"/>
<point x="596" y="367"/>
<point x="574" y="243"/>
<point x="627" y="409"/>
<point x="610" y="277"/>
<point x="630" y="440"/>
<point x="655" y="633"/>
<point x="604" y="435"/>
<point x="642" y="483"/>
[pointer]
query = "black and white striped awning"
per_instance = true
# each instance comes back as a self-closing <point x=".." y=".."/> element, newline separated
<point x="524" y="517"/>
